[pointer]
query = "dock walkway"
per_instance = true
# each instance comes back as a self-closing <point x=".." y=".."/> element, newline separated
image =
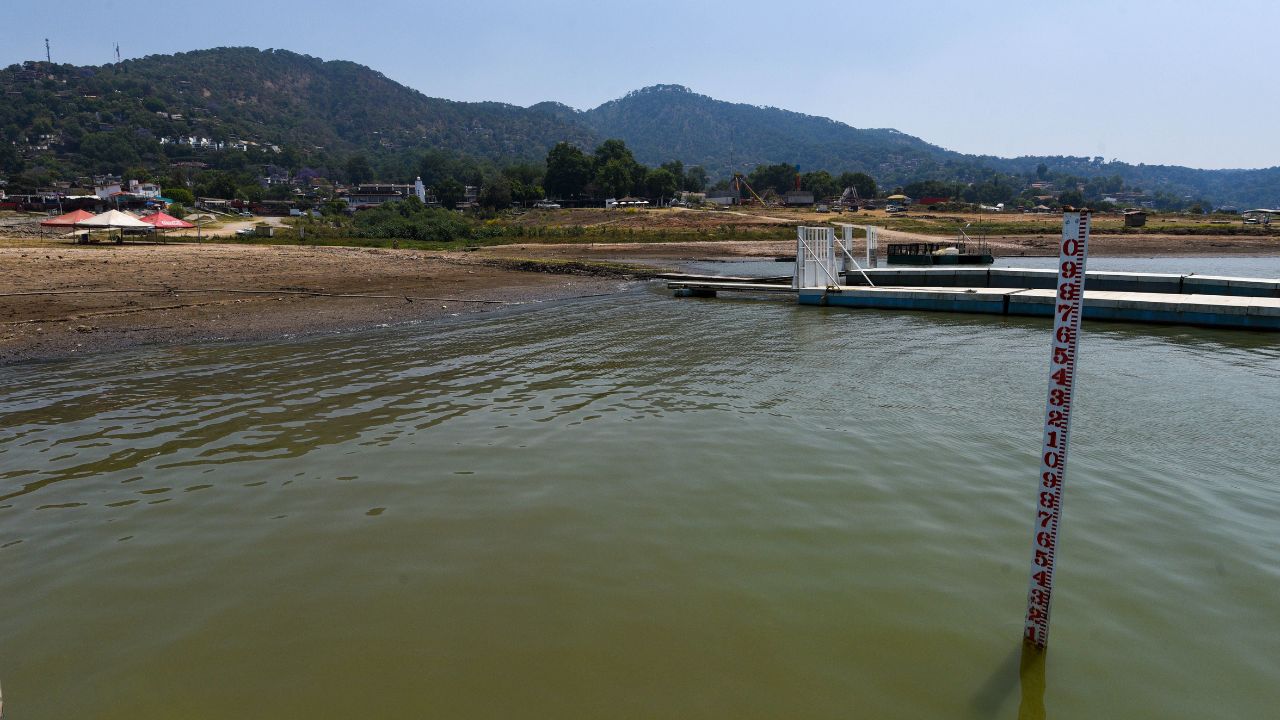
<point x="1243" y="311"/>
<point x="1227" y="311"/>
<point x="1190" y="284"/>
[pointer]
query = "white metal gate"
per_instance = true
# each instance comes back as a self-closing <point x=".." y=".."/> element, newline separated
<point x="821" y="260"/>
<point x="816" y="263"/>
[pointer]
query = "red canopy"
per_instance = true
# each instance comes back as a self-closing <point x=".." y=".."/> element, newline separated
<point x="67" y="220"/>
<point x="164" y="221"/>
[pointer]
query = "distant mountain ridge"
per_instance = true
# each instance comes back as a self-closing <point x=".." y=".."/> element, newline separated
<point x="147" y="110"/>
<point x="671" y="121"/>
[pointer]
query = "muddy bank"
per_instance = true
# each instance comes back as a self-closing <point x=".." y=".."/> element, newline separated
<point x="148" y="294"/>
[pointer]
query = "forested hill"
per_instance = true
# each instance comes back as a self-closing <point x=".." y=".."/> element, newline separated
<point x="99" y="117"/>
<point x="59" y="121"/>
<point x="669" y="121"/>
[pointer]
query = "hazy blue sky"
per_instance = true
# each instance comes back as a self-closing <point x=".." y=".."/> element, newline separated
<point x="1187" y="83"/>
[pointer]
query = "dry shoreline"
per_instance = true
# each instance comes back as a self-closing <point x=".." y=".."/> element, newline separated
<point x="161" y="294"/>
<point x="166" y="298"/>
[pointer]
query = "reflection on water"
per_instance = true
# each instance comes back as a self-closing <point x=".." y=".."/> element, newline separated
<point x="639" y="507"/>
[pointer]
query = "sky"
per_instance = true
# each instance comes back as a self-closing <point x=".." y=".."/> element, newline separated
<point x="1175" y="83"/>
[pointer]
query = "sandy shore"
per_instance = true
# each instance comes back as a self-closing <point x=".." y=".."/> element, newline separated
<point x="162" y="300"/>
<point x="146" y="294"/>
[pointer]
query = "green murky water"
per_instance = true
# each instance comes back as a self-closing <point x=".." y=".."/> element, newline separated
<point x="639" y="507"/>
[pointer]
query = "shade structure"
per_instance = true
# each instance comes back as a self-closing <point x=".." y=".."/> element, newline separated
<point x="68" y="219"/>
<point x="113" y="219"/>
<point x="899" y="196"/>
<point x="165" y="221"/>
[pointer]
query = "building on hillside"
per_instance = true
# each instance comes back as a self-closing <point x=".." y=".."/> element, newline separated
<point x="370" y="194"/>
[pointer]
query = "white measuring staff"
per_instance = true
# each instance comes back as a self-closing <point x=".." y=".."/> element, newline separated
<point x="1068" y="309"/>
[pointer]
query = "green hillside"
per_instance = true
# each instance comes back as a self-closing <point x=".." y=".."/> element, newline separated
<point x="247" y="108"/>
<point x="99" y="119"/>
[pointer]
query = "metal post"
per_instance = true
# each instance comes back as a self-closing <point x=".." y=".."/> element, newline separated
<point x="872" y="245"/>
<point x="1073" y="251"/>
<point x="800" y="258"/>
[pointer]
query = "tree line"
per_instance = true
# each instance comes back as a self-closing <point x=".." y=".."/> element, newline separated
<point x="612" y="171"/>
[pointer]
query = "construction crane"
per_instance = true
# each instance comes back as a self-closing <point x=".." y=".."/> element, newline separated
<point x="740" y="181"/>
<point x="850" y="198"/>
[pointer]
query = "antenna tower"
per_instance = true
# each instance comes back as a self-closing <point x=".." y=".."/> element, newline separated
<point x="47" y="55"/>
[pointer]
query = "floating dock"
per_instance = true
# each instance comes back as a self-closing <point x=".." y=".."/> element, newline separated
<point x="827" y="273"/>
<point x="1031" y="279"/>
<point x="1243" y="311"/>
<point x="1224" y="311"/>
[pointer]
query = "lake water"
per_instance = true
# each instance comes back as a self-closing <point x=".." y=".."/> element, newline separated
<point x="639" y="507"/>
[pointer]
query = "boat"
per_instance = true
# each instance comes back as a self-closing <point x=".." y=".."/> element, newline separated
<point x="964" y="250"/>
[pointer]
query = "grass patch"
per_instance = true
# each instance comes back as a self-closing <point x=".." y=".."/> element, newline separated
<point x="589" y="268"/>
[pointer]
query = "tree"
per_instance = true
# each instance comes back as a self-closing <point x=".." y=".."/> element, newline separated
<point x="695" y="179"/>
<point x="779" y="178"/>
<point x="614" y="178"/>
<point x="526" y="173"/>
<point x="497" y="194"/>
<point x="820" y="183"/>
<point x="180" y="195"/>
<point x="568" y="171"/>
<point x="864" y="183"/>
<point x="932" y="188"/>
<point x="676" y="168"/>
<point x="616" y="170"/>
<point x="1042" y="171"/>
<point x="359" y="170"/>
<point x="1071" y="197"/>
<point x="216" y="184"/>
<point x="449" y="192"/>
<point x="614" y="149"/>
<point x="660" y="183"/>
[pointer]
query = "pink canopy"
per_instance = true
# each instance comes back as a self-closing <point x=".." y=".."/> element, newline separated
<point x="164" y="221"/>
<point x="68" y="219"/>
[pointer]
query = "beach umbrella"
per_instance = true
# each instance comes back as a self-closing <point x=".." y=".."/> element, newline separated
<point x="68" y="219"/>
<point x="114" y="219"/>
<point x="165" y="221"/>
